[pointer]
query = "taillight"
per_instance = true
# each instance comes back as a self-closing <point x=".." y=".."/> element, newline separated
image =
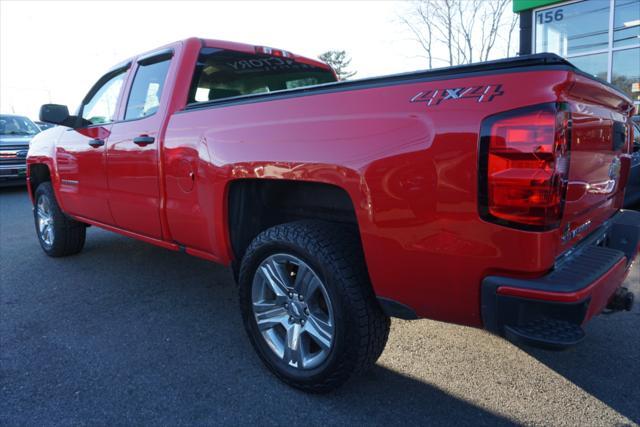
<point x="524" y="166"/>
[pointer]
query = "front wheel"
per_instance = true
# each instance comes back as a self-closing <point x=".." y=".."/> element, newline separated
<point x="308" y="306"/>
<point x="58" y="234"/>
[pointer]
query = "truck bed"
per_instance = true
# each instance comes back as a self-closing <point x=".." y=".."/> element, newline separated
<point x="409" y="168"/>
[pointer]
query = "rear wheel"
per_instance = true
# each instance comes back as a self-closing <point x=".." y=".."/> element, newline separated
<point x="58" y="234"/>
<point x="308" y="306"/>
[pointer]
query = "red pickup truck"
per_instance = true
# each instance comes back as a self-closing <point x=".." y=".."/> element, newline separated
<point x="486" y="195"/>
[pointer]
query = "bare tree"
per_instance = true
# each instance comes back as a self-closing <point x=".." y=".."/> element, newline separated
<point x="493" y="12"/>
<point x="467" y="16"/>
<point x="444" y="15"/>
<point x="421" y="27"/>
<point x="467" y="30"/>
<point x="512" y="26"/>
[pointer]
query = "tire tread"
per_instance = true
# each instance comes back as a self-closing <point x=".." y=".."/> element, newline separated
<point x="70" y="235"/>
<point x="338" y="247"/>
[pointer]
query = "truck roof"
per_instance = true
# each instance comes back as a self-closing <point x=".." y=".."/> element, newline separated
<point x="225" y="44"/>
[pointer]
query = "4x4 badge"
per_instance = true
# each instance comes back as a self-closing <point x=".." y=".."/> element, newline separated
<point x="484" y="93"/>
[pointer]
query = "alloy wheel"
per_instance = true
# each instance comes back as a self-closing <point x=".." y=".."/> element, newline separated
<point x="293" y="311"/>
<point x="44" y="217"/>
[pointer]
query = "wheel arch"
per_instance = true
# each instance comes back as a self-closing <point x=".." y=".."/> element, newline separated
<point x="37" y="173"/>
<point x="254" y="205"/>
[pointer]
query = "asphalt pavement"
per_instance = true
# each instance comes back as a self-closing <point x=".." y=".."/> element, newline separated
<point x="126" y="333"/>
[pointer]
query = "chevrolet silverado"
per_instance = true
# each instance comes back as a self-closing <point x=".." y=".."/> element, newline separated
<point x="486" y="195"/>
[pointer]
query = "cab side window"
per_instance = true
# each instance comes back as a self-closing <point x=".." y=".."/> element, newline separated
<point x="146" y="90"/>
<point x="100" y="104"/>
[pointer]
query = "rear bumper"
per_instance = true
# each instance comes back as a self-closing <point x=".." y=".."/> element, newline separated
<point x="550" y="311"/>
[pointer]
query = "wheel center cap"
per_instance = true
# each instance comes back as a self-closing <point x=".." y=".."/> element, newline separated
<point x="296" y="309"/>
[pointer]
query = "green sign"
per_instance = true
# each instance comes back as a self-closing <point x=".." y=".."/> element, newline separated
<point x="520" y="5"/>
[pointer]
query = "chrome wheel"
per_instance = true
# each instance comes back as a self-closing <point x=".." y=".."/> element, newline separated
<point x="293" y="311"/>
<point x="44" y="216"/>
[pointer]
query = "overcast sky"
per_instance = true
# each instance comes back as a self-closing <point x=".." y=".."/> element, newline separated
<point x="54" y="51"/>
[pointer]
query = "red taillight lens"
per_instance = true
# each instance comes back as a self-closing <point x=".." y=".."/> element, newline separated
<point x="524" y="166"/>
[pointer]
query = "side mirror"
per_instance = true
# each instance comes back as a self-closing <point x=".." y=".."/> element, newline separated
<point x="56" y="114"/>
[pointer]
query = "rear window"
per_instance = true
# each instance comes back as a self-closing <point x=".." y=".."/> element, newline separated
<point x="224" y="74"/>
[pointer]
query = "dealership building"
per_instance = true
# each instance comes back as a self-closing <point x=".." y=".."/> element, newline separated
<point x="601" y="37"/>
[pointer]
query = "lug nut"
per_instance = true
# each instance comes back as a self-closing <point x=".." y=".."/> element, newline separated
<point x="306" y="311"/>
<point x="286" y="305"/>
<point x="302" y="321"/>
<point x="300" y="297"/>
<point x="290" y="294"/>
<point x="290" y="319"/>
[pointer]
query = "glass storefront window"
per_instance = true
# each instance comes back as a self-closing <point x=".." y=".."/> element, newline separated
<point x="626" y="24"/>
<point x="596" y="64"/>
<point x="626" y="72"/>
<point x="573" y="28"/>
<point x="600" y="37"/>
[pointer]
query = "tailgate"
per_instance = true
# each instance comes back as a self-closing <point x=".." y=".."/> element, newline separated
<point x="600" y="140"/>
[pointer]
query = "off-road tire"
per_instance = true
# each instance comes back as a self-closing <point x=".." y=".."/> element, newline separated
<point x="361" y="328"/>
<point x="68" y="234"/>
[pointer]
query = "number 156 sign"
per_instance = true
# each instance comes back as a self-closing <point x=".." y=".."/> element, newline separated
<point x="550" y="16"/>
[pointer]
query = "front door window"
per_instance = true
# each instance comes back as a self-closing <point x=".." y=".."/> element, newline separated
<point x="100" y="105"/>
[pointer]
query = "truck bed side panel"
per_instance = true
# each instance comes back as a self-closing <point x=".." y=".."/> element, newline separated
<point x="409" y="168"/>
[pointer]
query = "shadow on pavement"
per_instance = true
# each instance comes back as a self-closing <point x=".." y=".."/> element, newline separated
<point x="607" y="364"/>
<point x="387" y="397"/>
<point x="127" y="333"/>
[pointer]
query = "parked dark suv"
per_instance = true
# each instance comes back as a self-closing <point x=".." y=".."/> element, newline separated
<point x="15" y="134"/>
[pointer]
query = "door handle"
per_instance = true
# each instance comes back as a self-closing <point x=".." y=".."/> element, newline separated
<point x="95" y="143"/>
<point x="143" y="140"/>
